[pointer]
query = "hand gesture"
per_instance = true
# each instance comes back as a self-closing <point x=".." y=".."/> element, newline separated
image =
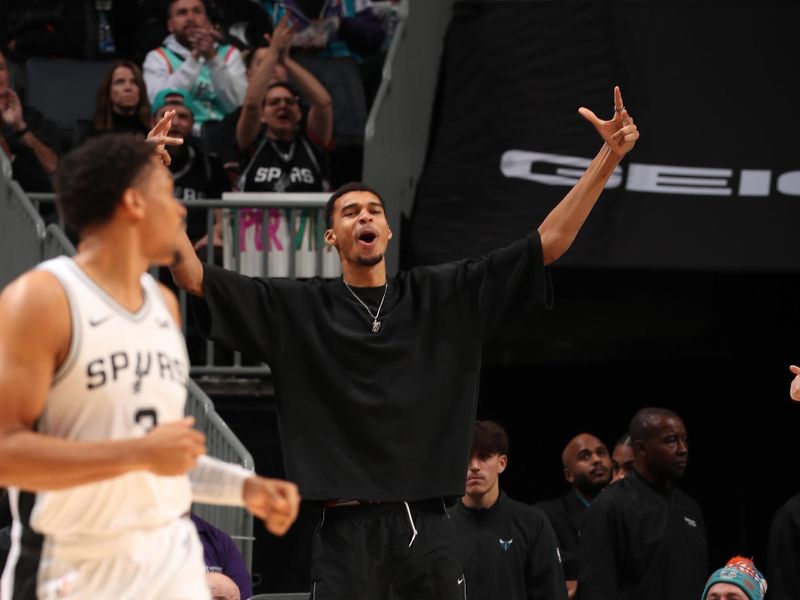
<point x="619" y="133"/>
<point x="794" y="388"/>
<point x="173" y="448"/>
<point x="11" y="109"/>
<point x="281" y="38"/>
<point x="202" y="40"/>
<point x="273" y="500"/>
<point x="159" y="137"/>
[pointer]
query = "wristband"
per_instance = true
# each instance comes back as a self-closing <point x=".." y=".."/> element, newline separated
<point x="218" y="482"/>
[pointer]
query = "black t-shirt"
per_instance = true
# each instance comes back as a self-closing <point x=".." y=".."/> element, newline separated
<point x="197" y="176"/>
<point x="282" y="166"/>
<point x="509" y="552"/>
<point x="379" y="416"/>
<point x="784" y="552"/>
<point x="567" y="514"/>
<point x="640" y="542"/>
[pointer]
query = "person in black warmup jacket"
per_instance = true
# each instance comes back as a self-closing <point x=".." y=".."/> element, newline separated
<point x="508" y="549"/>
<point x="376" y="377"/>
<point x="643" y="538"/>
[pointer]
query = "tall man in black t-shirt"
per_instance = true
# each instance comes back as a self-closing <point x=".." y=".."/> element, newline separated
<point x="376" y="377"/>
<point x="508" y="549"/>
<point x="643" y="537"/>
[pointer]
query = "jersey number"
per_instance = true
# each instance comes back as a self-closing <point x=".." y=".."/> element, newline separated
<point x="147" y="415"/>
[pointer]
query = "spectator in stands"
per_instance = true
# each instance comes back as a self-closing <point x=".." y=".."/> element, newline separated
<point x="48" y="28"/>
<point x="121" y="104"/>
<point x="622" y="458"/>
<point x="228" y="576"/>
<point x="191" y="58"/>
<point x="26" y="138"/>
<point x="587" y="470"/>
<point x="738" y="580"/>
<point x="282" y="157"/>
<point x="794" y="387"/>
<point x="643" y="537"/>
<point x="784" y="551"/>
<point x="337" y="42"/>
<point x="196" y="175"/>
<point x="508" y="549"/>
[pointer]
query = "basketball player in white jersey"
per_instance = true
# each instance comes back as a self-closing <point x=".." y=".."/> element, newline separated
<point x="93" y="370"/>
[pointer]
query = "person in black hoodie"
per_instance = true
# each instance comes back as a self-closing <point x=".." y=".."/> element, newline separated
<point x="643" y="537"/>
<point x="784" y="551"/>
<point x="508" y="549"/>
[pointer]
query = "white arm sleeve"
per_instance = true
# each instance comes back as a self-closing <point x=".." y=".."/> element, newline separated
<point x="218" y="482"/>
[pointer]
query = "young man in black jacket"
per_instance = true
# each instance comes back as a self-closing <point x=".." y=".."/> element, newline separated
<point x="508" y="549"/>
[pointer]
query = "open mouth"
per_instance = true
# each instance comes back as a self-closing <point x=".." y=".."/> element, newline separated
<point x="367" y="237"/>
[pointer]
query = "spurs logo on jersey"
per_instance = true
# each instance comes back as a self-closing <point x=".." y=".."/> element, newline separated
<point x="124" y="374"/>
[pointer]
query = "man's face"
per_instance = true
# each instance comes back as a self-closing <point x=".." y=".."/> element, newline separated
<point x="483" y="473"/>
<point x="587" y="465"/>
<point x="281" y="111"/>
<point x="182" y="122"/>
<point x="4" y="75"/>
<point x="184" y="16"/>
<point x="163" y="220"/>
<point x="621" y="461"/>
<point x="667" y="450"/>
<point x="124" y="92"/>
<point x="725" y="591"/>
<point x="359" y="228"/>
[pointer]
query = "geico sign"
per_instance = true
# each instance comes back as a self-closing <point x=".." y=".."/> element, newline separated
<point x="558" y="169"/>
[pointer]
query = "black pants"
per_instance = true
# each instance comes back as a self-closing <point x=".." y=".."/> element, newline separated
<point x="363" y="553"/>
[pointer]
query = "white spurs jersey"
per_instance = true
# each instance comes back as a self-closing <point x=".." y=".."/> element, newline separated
<point x="125" y="373"/>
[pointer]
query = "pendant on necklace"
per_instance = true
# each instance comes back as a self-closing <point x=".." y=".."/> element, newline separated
<point x="376" y="326"/>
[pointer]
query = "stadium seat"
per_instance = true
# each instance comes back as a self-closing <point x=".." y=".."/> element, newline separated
<point x="64" y="91"/>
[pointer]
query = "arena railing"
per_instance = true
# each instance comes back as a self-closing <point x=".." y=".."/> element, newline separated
<point x="25" y="241"/>
<point x="266" y="235"/>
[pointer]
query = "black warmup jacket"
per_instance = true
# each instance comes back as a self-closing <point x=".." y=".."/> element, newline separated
<point x="509" y="552"/>
<point x="639" y="542"/>
<point x="567" y="514"/>
<point x="784" y="552"/>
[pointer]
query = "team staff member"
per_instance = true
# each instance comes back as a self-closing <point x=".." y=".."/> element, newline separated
<point x="643" y="537"/>
<point x="587" y="470"/>
<point x="508" y="549"/>
<point x="376" y="377"/>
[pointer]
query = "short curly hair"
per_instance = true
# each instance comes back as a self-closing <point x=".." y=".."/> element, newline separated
<point x="92" y="178"/>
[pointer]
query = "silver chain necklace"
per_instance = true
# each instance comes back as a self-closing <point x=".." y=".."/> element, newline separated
<point x="376" y="325"/>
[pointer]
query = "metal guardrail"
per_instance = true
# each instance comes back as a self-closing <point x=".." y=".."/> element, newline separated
<point x="222" y="443"/>
<point x="287" y="230"/>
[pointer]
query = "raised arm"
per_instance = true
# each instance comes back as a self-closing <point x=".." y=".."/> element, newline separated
<point x="320" y="114"/>
<point x="561" y="225"/>
<point x="249" y="123"/>
<point x="35" y="333"/>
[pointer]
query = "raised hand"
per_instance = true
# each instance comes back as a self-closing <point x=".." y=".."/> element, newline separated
<point x="159" y="137"/>
<point x="794" y="388"/>
<point x="620" y="132"/>
<point x="274" y="500"/>
<point x="281" y="38"/>
<point x="11" y="109"/>
<point x="172" y="448"/>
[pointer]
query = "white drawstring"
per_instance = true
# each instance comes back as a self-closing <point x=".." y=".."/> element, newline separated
<point x="411" y="521"/>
